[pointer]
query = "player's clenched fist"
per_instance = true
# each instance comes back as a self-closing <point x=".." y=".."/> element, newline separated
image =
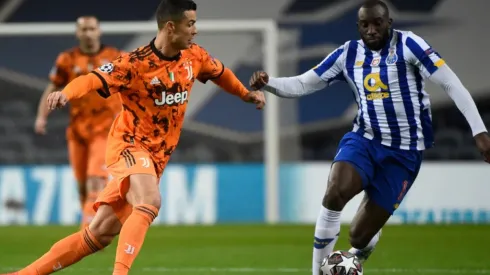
<point x="56" y="100"/>
<point x="256" y="98"/>
<point x="259" y="80"/>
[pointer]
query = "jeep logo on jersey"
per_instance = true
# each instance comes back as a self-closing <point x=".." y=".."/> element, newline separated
<point x="172" y="98"/>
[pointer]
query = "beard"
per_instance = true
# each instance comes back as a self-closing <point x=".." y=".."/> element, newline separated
<point x="377" y="44"/>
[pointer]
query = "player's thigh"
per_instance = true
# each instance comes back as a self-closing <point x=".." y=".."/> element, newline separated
<point x="137" y="174"/>
<point x="106" y="224"/>
<point x="97" y="172"/>
<point x="351" y="172"/>
<point x="144" y="189"/>
<point x="77" y="155"/>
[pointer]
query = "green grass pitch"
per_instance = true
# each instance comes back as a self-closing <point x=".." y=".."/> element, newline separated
<point x="261" y="249"/>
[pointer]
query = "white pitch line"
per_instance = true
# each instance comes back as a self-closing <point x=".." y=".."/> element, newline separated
<point x="273" y="270"/>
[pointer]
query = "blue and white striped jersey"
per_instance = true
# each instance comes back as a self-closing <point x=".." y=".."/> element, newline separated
<point x="388" y="85"/>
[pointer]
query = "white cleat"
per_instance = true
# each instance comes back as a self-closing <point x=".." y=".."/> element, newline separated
<point x="361" y="255"/>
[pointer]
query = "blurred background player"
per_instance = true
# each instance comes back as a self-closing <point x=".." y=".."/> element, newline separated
<point x="382" y="155"/>
<point x="90" y="116"/>
<point x="154" y="83"/>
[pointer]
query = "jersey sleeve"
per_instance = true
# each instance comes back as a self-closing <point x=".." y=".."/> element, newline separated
<point x="211" y="67"/>
<point x="59" y="73"/>
<point x="116" y="76"/>
<point x="330" y="69"/>
<point x="422" y="55"/>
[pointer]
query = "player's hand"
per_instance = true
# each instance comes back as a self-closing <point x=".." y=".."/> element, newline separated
<point x="56" y="100"/>
<point x="256" y="98"/>
<point x="258" y="80"/>
<point x="40" y="126"/>
<point x="483" y="143"/>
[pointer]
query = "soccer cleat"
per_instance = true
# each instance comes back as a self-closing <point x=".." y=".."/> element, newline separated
<point x="361" y="255"/>
<point x="364" y="254"/>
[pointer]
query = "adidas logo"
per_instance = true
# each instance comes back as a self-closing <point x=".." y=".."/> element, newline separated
<point x="155" y="81"/>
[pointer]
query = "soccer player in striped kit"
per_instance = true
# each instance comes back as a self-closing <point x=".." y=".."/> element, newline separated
<point x="386" y="70"/>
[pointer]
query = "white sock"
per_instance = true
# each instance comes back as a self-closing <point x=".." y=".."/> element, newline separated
<point x="327" y="232"/>
<point x="363" y="253"/>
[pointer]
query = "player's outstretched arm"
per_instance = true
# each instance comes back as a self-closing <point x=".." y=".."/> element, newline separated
<point x="77" y="88"/>
<point x="328" y="72"/>
<point x="288" y="87"/>
<point x="451" y="84"/>
<point x="230" y="83"/>
<point x="108" y="79"/>
<point x="213" y="69"/>
<point x="81" y="86"/>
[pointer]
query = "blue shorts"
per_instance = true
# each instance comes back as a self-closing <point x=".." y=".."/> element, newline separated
<point x="387" y="173"/>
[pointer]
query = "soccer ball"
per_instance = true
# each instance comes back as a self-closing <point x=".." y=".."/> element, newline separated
<point x="341" y="263"/>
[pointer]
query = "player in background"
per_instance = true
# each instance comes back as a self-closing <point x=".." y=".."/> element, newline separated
<point x="90" y="116"/>
<point x="154" y="83"/>
<point x="386" y="70"/>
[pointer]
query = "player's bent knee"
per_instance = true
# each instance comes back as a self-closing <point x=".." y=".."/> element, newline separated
<point x="344" y="183"/>
<point x="358" y="241"/>
<point x="153" y="200"/>
<point x="334" y="199"/>
<point x="103" y="233"/>
<point x="359" y="238"/>
<point x="105" y="226"/>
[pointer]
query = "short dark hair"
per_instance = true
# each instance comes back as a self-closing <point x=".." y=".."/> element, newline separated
<point x="173" y="10"/>
<point x="373" y="3"/>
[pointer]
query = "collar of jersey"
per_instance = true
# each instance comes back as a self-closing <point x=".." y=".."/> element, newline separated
<point x="161" y="55"/>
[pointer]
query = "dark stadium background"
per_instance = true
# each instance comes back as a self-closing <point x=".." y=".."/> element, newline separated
<point x="310" y="130"/>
